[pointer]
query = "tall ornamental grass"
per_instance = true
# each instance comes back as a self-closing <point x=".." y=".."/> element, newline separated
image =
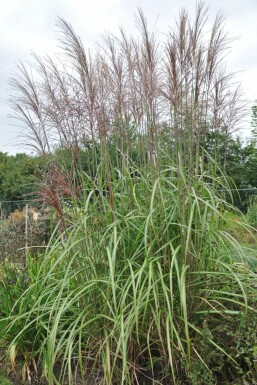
<point x="123" y="295"/>
<point x="135" y="284"/>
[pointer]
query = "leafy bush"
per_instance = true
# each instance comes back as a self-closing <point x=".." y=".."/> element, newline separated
<point x="236" y="334"/>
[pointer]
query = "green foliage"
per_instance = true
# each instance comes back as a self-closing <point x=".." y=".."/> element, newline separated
<point x="4" y="380"/>
<point x="18" y="178"/>
<point x="13" y="282"/>
<point x="22" y="174"/>
<point x="241" y="167"/>
<point x="130" y="282"/>
<point x="239" y="161"/>
<point x="237" y="335"/>
<point x="145" y="281"/>
<point x="252" y="212"/>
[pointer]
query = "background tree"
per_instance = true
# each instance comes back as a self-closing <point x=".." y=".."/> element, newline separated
<point x="19" y="177"/>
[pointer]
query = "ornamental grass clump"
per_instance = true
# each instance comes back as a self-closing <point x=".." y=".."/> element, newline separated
<point x="142" y="271"/>
<point x="123" y="295"/>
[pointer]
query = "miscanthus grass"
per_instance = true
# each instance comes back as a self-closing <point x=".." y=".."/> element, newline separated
<point x="122" y="295"/>
<point x="143" y="268"/>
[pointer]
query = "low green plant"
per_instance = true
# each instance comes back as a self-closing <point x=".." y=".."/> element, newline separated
<point x="13" y="282"/>
<point x="237" y="335"/>
<point x="5" y="380"/>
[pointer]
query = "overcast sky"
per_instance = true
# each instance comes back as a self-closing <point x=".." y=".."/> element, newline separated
<point x="29" y="25"/>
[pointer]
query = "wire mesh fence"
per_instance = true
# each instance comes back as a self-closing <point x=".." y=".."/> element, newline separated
<point x="25" y="227"/>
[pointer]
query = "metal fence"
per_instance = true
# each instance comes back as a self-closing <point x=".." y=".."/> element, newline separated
<point x="24" y="228"/>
